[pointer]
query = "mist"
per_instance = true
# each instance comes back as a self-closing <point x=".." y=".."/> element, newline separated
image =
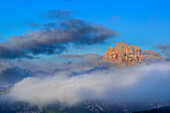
<point x="140" y="84"/>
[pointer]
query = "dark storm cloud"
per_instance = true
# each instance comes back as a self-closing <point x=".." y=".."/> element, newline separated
<point x="55" y="40"/>
<point x="45" y="26"/>
<point x="55" y="14"/>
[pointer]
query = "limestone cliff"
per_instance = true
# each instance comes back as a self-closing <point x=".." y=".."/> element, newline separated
<point x="124" y="54"/>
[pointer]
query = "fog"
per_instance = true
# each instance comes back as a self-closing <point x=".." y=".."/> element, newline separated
<point x="142" y="84"/>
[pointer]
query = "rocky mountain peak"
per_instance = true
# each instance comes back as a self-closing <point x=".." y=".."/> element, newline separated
<point x="124" y="54"/>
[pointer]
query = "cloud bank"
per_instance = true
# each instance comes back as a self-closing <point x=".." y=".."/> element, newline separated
<point x="12" y="71"/>
<point x="142" y="84"/>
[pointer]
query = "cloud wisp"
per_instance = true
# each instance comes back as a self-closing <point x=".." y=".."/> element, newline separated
<point x="116" y="85"/>
<point x="89" y="55"/>
<point x="165" y="49"/>
<point x="57" y="14"/>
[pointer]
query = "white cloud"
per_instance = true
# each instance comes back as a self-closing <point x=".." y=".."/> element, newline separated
<point x="112" y="84"/>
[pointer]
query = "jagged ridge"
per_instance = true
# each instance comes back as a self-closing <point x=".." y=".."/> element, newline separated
<point x="124" y="54"/>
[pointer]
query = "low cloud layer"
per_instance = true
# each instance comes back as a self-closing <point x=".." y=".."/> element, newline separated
<point x="12" y="71"/>
<point x="143" y="83"/>
<point x="91" y="56"/>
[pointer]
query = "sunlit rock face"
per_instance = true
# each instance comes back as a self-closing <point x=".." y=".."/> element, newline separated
<point x="150" y="54"/>
<point x="123" y="54"/>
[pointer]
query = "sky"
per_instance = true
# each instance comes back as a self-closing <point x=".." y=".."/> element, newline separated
<point x="144" y="22"/>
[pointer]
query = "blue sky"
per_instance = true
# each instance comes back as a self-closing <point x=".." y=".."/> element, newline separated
<point x="138" y="22"/>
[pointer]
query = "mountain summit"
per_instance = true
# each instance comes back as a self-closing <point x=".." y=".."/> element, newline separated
<point x="124" y="54"/>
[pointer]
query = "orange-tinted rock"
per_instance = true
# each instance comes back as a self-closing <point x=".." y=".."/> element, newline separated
<point x="124" y="54"/>
<point x="151" y="54"/>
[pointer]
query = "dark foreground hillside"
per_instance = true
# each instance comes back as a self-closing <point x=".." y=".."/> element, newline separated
<point x="158" y="110"/>
<point x="86" y="107"/>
